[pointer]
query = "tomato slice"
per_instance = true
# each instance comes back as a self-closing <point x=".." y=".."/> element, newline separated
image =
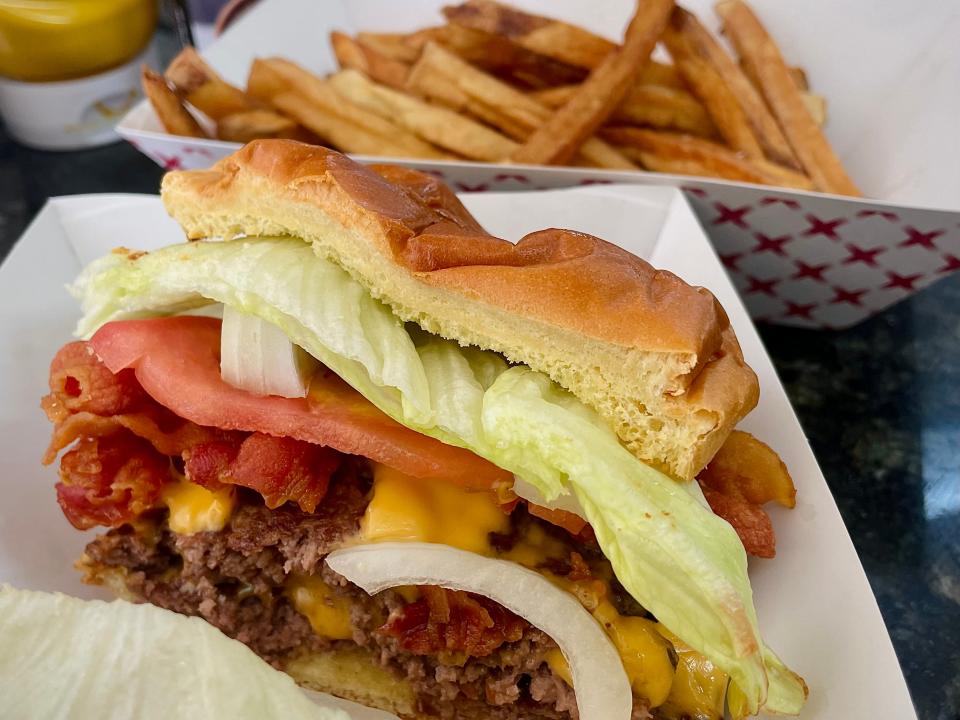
<point x="177" y="361"/>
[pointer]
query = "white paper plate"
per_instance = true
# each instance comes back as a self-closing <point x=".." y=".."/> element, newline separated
<point x="814" y="602"/>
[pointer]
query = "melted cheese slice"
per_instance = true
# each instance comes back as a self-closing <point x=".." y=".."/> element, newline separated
<point x="699" y="687"/>
<point x="195" y="509"/>
<point x="405" y="508"/>
<point x="328" y="613"/>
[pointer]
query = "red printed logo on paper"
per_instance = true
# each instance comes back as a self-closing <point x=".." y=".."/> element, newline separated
<point x="171" y="162"/>
<point x="827" y="228"/>
<point x="798" y="310"/>
<point x="896" y="280"/>
<point x="730" y="261"/>
<point x="774" y="200"/>
<point x="761" y="286"/>
<point x="924" y="239"/>
<point x="852" y="297"/>
<point x="771" y="244"/>
<point x="858" y="254"/>
<point x="814" y="272"/>
<point x="734" y="216"/>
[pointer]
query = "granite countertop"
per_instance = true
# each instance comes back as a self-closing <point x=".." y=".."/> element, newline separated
<point x="880" y="404"/>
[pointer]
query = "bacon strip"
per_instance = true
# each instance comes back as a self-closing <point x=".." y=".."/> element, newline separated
<point x="280" y="469"/>
<point x="125" y="441"/>
<point x="744" y="475"/>
<point x="452" y="621"/>
<point x="749" y="520"/>
<point x="110" y="480"/>
<point x="79" y="382"/>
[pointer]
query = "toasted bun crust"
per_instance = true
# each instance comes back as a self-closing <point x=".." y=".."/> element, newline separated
<point x="653" y="355"/>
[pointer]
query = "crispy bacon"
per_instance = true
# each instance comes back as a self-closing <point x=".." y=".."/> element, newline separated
<point x="749" y="520"/>
<point x="744" y="475"/>
<point x="108" y="414"/>
<point x="79" y="382"/>
<point x="452" y="621"/>
<point x="280" y="469"/>
<point x="110" y="480"/>
<point x="746" y="467"/>
<point x="171" y="438"/>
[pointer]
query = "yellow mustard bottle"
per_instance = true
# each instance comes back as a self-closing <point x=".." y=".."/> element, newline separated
<point x="55" y="40"/>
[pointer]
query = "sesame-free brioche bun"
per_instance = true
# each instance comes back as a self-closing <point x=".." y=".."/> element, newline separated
<point x="654" y="356"/>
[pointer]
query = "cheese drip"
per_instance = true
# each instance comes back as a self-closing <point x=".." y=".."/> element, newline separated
<point x="195" y="509"/>
<point x="410" y="509"/>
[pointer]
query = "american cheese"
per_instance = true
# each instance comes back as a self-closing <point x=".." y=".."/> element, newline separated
<point x="404" y="508"/>
<point x="644" y="652"/>
<point x="534" y="548"/>
<point x="195" y="509"/>
<point x="558" y="665"/>
<point x="411" y="509"/>
<point x="328" y="613"/>
<point x="698" y="687"/>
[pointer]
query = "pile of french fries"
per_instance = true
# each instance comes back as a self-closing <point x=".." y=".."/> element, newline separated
<point x="496" y="84"/>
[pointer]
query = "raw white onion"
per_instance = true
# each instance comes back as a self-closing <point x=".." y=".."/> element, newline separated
<point x="530" y="493"/>
<point x="257" y="356"/>
<point x="600" y="682"/>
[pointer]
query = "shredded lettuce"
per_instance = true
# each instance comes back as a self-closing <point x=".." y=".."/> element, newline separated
<point x="679" y="560"/>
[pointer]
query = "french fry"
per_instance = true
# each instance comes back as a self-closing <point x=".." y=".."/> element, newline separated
<point x="659" y="73"/>
<point x="551" y="38"/>
<point x="264" y="81"/>
<point x="341" y="134"/>
<point x="682" y="37"/>
<point x="656" y="106"/>
<point x="688" y="155"/>
<point x="354" y="54"/>
<point x="174" y="117"/>
<point x="762" y="58"/>
<point x="203" y="88"/>
<point x="799" y="76"/>
<point x="438" y="125"/>
<point x="396" y="46"/>
<point x="250" y="125"/>
<point x="735" y="85"/>
<point x="558" y="139"/>
<point x="817" y="107"/>
<point x="500" y="56"/>
<point x="442" y="76"/>
<point x="666" y="107"/>
<point x="351" y="126"/>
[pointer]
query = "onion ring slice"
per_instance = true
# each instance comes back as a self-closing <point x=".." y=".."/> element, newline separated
<point x="600" y="682"/>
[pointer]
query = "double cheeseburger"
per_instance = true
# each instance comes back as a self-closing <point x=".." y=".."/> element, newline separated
<point x="415" y="465"/>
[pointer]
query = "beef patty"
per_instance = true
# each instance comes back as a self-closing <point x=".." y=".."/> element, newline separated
<point x="235" y="579"/>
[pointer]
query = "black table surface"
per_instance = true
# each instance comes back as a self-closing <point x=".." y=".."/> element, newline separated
<point x="879" y="402"/>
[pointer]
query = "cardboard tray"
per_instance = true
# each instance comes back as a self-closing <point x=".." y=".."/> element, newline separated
<point x="814" y="602"/>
